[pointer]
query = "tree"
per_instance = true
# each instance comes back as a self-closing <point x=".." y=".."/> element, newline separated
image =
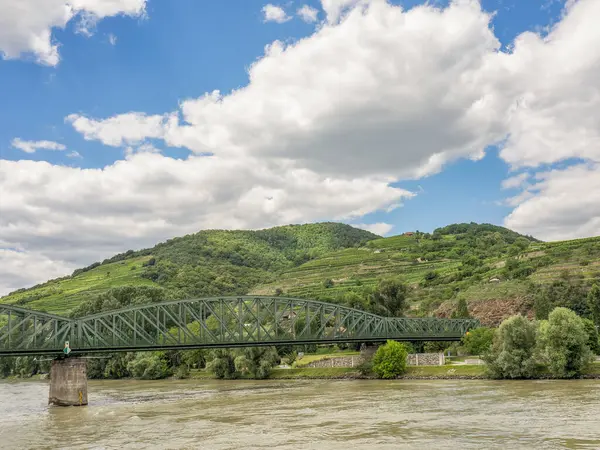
<point x="593" y="302"/>
<point x="563" y="343"/>
<point x="512" y="354"/>
<point x="478" y="341"/>
<point x="256" y="361"/>
<point x="389" y="360"/>
<point x="148" y="366"/>
<point x="389" y="298"/>
<point x="461" y="312"/>
<point x="222" y="364"/>
<point x="593" y="339"/>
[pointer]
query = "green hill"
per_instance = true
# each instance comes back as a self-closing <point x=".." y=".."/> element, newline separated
<point x="211" y="262"/>
<point x="497" y="271"/>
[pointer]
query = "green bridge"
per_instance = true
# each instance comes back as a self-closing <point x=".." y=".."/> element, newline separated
<point x="210" y="323"/>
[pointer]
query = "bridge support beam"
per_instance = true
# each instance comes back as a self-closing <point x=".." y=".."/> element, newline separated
<point x="68" y="382"/>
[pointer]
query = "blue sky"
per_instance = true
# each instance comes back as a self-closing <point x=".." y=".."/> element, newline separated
<point x="186" y="48"/>
<point x="156" y="63"/>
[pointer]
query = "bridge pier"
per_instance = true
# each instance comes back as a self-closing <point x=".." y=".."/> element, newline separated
<point x="68" y="382"/>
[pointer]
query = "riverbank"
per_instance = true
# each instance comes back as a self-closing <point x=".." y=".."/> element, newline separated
<point x="445" y="372"/>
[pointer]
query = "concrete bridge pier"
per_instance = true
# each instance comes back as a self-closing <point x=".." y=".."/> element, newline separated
<point x="68" y="382"/>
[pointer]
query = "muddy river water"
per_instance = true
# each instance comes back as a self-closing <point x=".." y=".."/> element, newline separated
<point x="316" y="414"/>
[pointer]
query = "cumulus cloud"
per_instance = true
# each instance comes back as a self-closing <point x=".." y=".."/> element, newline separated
<point x="562" y="204"/>
<point x="274" y="13"/>
<point x="515" y="181"/>
<point x="77" y="216"/>
<point x="557" y="82"/>
<point x="334" y="9"/>
<point x="307" y="13"/>
<point x="385" y="92"/>
<point x="556" y="118"/>
<point x="128" y="128"/>
<point x="26" y="25"/>
<point x="379" y="228"/>
<point x="33" y="146"/>
<point x="19" y="268"/>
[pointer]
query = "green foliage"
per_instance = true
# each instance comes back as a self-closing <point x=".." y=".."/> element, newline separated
<point x="389" y="299"/>
<point x="563" y="343"/>
<point x="478" y="341"/>
<point x="593" y="303"/>
<point x="148" y="366"/>
<point x="565" y="292"/>
<point x="121" y="297"/>
<point x="389" y="360"/>
<point x="222" y="364"/>
<point x="461" y="311"/>
<point x="182" y="371"/>
<point x="512" y="354"/>
<point x="593" y="338"/>
<point x="256" y="361"/>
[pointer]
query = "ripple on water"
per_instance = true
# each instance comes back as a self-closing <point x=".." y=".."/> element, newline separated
<point x="317" y="415"/>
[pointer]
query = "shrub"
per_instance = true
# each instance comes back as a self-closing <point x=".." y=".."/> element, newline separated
<point x="478" y="341"/>
<point x="389" y="360"/>
<point x="512" y="354"/>
<point x="563" y="343"/>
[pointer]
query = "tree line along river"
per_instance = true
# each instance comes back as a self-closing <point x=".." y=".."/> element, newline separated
<point x="312" y="414"/>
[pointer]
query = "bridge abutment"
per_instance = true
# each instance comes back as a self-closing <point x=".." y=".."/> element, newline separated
<point x="68" y="382"/>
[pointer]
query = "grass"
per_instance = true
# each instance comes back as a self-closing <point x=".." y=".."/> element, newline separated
<point x="63" y="295"/>
<point x="466" y="370"/>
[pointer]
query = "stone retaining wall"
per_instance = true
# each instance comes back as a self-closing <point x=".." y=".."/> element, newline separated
<point x="341" y="361"/>
<point x="419" y="359"/>
<point x="426" y="359"/>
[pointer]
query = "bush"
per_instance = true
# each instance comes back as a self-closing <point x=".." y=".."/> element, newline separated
<point x="389" y="360"/>
<point x="512" y="354"/>
<point x="183" y="371"/>
<point x="478" y="341"/>
<point x="148" y="367"/>
<point x="563" y="343"/>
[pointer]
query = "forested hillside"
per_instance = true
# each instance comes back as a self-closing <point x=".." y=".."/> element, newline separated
<point x="480" y="270"/>
<point x="210" y="262"/>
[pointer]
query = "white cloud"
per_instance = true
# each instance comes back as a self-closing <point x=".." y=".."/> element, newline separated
<point x="563" y="204"/>
<point x="33" y="146"/>
<point x="19" y="268"/>
<point x="379" y="228"/>
<point x="26" y="25"/>
<point x="73" y="154"/>
<point x="515" y="181"/>
<point x="274" y="13"/>
<point x="557" y="82"/>
<point x="307" y="13"/>
<point x="335" y="9"/>
<point x="556" y="119"/>
<point x="128" y="128"/>
<point x="386" y="92"/>
<point x="76" y="216"/>
<point x="112" y="39"/>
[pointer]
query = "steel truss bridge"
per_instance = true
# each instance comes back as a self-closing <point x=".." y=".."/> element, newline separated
<point x="211" y="323"/>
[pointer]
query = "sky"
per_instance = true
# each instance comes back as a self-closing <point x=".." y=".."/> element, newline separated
<point x="127" y="122"/>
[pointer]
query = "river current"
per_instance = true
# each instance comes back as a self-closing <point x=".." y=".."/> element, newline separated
<point x="316" y="414"/>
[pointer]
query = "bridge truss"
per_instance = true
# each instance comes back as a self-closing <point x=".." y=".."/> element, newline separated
<point x="211" y="323"/>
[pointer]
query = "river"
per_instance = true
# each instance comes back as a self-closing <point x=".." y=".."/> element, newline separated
<point x="317" y="414"/>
